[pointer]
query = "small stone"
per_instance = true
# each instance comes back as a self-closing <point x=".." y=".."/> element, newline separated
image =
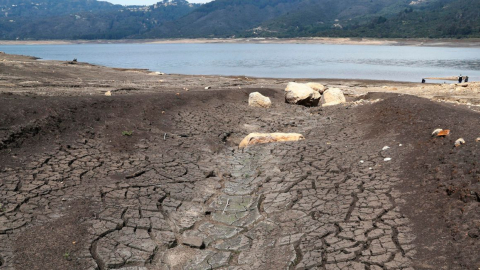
<point x="459" y="142"/>
<point x="478" y="139"/>
<point x="387" y="159"/>
<point x="385" y="148"/>
<point x="108" y="93"/>
<point x="208" y="87"/>
<point x="195" y="242"/>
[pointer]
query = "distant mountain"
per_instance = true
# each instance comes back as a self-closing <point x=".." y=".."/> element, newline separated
<point x="440" y="19"/>
<point x="337" y="18"/>
<point x="44" y="8"/>
<point x="91" y="19"/>
<point x="84" y="19"/>
<point x="225" y="18"/>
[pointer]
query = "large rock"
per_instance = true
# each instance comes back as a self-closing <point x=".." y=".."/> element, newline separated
<point x="332" y="96"/>
<point x="320" y="88"/>
<point x="301" y="94"/>
<point x="257" y="138"/>
<point x="256" y="99"/>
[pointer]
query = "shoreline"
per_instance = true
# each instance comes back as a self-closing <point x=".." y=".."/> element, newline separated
<point x="461" y="43"/>
<point x="31" y="79"/>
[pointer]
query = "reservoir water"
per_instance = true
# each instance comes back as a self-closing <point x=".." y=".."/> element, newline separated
<point x="396" y="63"/>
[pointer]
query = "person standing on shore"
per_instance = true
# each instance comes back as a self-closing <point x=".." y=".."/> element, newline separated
<point x="466" y="78"/>
<point x="460" y="78"/>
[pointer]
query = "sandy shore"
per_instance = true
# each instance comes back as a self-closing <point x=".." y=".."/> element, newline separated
<point x="151" y="176"/>
<point x="474" y="43"/>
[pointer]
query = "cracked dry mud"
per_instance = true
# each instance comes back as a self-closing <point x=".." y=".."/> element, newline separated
<point x="289" y="205"/>
<point x="178" y="193"/>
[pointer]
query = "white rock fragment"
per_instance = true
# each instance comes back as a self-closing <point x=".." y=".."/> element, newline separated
<point x="108" y="93"/>
<point x="387" y="159"/>
<point x="361" y="161"/>
<point x="385" y="148"/>
<point x="207" y="87"/>
<point x="459" y="142"/>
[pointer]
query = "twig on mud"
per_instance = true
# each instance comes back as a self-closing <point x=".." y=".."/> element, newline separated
<point x="228" y="200"/>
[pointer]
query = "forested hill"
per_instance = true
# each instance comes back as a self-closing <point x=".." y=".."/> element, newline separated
<point x="91" y="19"/>
<point x="84" y="19"/>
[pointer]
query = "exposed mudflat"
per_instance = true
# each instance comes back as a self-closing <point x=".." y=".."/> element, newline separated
<point x="152" y="178"/>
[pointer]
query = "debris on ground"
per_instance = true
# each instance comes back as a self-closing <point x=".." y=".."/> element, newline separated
<point x="459" y="142"/>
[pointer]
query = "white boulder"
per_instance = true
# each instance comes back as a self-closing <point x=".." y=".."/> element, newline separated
<point x="301" y="94"/>
<point x="332" y="96"/>
<point x="256" y="99"/>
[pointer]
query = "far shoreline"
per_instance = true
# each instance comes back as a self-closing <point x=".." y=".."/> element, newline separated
<point x="460" y="43"/>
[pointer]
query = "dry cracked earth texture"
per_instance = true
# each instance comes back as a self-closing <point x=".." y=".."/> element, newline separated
<point x="156" y="181"/>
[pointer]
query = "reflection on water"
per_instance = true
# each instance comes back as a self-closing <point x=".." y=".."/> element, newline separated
<point x="273" y="60"/>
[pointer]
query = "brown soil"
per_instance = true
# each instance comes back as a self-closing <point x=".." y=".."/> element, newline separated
<point x="95" y="182"/>
<point x="442" y="181"/>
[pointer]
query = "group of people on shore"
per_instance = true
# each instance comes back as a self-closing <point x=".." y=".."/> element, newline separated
<point x="460" y="78"/>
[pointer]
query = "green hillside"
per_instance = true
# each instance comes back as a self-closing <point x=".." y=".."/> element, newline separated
<point x="88" y="19"/>
<point x="91" y="19"/>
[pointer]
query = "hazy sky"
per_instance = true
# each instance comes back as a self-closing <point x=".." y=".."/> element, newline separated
<point x="147" y="2"/>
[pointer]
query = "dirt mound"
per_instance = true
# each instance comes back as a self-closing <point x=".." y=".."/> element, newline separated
<point x="443" y="181"/>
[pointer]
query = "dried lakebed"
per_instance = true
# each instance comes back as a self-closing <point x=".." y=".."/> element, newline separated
<point x="177" y="193"/>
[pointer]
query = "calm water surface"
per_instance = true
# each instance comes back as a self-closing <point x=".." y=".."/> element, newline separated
<point x="398" y="63"/>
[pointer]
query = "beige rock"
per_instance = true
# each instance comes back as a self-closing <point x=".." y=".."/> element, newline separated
<point x="320" y="88"/>
<point x="478" y="139"/>
<point x="258" y="138"/>
<point x="301" y="94"/>
<point x="332" y="96"/>
<point x="108" y="93"/>
<point x="256" y="99"/>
